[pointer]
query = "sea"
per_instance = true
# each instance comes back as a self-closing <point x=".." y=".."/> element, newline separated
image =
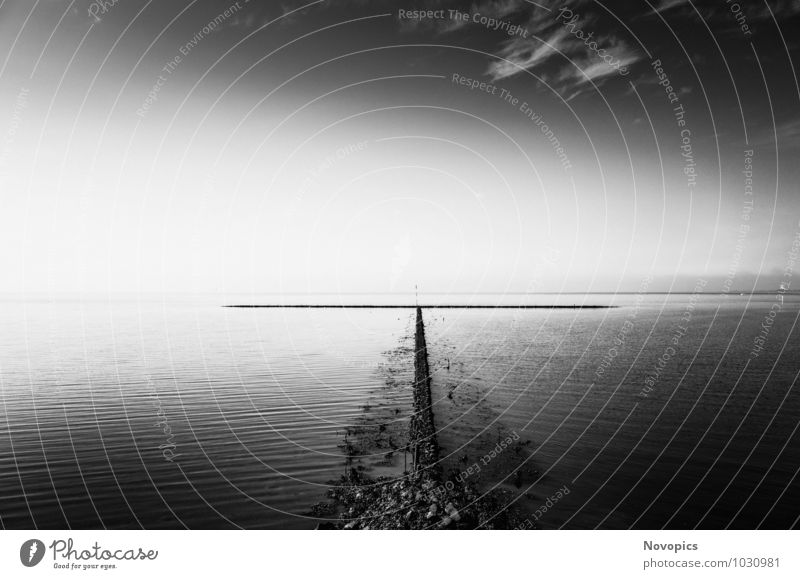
<point x="162" y="412"/>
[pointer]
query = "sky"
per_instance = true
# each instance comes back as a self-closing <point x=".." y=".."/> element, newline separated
<point x="281" y="147"/>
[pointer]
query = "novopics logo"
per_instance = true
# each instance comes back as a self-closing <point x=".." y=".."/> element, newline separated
<point x="31" y="552"/>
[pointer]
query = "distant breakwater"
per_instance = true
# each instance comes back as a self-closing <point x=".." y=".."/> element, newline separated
<point x="429" y="306"/>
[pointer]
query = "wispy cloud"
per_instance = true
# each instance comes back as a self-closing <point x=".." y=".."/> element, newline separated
<point x="786" y="133"/>
<point x="520" y="54"/>
<point x="721" y="12"/>
<point x="590" y="69"/>
<point x="665" y="5"/>
<point x="583" y="56"/>
<point x="780" y="8"/>
<point x="257" y="15"/>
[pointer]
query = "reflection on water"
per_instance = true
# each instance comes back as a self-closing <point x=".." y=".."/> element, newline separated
<point x="153" y="415"/>
<point x="651" y="416"/>
<point x="163" y="415"/>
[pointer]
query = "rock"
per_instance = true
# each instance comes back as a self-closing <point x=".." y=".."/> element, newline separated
<point x="432" y="511"/>
<point x="452" y="512"/>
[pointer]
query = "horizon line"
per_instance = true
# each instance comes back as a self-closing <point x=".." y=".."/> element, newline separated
<point x="334" y="293"/>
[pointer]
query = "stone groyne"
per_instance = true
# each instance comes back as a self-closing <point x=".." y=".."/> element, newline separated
<point x="422" y="497"/>
<point x="422" y="431"/>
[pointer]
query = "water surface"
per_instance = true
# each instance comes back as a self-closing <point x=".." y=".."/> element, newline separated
<point x="172" y="414"/>
<point x="180" y="413"/>
<point x="653" y="414"/>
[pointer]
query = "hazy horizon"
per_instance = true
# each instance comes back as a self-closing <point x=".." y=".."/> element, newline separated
<point x="286" y="150"/>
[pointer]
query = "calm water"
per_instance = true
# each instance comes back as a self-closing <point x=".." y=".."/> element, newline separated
<point x="183" y="413"/>
<point x="712" y="444"/>
<point x="167" y="415"/>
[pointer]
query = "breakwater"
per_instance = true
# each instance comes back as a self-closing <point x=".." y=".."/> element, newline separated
<point x="424" y="497"/>
<point x="429" y="306"/>
<point x="422" y="431"/>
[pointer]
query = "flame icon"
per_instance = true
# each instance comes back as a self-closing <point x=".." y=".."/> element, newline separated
<point x="32" y="552"/>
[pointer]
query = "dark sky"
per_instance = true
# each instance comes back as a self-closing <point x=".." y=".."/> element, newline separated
<point x="350" y="146"/>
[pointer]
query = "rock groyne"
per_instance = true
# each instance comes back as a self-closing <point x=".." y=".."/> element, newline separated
<point x="422" y="431"/>
<point x="422" y="498"/>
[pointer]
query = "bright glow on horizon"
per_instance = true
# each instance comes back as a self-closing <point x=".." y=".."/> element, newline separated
<point x="365" y="174"/>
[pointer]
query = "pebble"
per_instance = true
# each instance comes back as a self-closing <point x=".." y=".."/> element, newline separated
<point x="452" y="512"/>
<point x="432" y="511"/>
